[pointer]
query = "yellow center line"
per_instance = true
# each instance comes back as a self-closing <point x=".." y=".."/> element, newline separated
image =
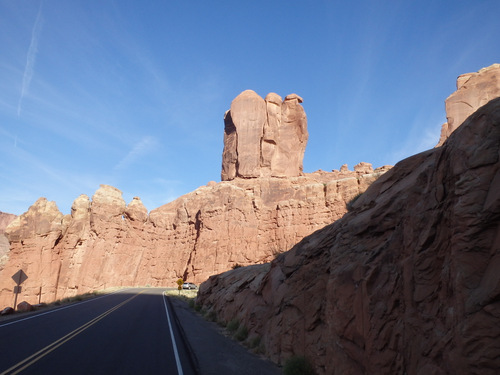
<point x="53" y="346"/>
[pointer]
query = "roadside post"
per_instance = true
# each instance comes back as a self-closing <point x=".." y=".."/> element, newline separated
<point x="19" y="277"/>
<point x="179" y="283"/>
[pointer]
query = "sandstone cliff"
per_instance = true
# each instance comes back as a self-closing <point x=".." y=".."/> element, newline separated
<point x="473" y="91"/>
<point x="5" y="220"/>
<point x="105" y="242"/>
<point x="264" y="137"/>
<point x="264" y="205"/>
<point x="407" y="282"/>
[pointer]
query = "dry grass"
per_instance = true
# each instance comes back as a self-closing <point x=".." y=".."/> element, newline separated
<point x="185" y="294"/>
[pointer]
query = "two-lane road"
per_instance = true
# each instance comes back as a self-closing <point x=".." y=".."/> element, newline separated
<point x="129" y="332"/>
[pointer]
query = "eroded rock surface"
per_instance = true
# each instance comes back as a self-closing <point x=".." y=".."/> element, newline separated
<point x="105" y="242"/>
<point x="5" y="220"/>
<point x="264" y="137"/>
<point x="407" y="282"/>
<point x="473" y="91"/>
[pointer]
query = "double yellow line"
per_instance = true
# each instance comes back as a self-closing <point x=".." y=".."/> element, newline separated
<point x="20" y="366"/>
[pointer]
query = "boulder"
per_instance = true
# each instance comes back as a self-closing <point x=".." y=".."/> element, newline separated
<point x="7" y="311"/>
<point x="24" y="307"/>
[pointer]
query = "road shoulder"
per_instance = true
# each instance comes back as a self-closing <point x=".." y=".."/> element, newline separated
<point x="215" y="353"/>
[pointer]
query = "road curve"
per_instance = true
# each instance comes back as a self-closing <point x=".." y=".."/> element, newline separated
<point x="128" y="332"/>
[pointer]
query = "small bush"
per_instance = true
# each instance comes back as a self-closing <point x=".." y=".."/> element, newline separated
<point x="191" y="303"/>
<point x="197" y="307"/>
<point x="237" y="265"/>
<point x="241" y="334"/>
<point x="298" y="365"/>
<point x="233" y="325"/>
<point x="222" y="323"/>
<point x="261" y="349"/>
<point x="211" y="316"/>
<point x="254" y="342"/>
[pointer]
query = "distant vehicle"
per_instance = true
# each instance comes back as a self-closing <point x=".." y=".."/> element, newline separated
<point x="189" y="286"/>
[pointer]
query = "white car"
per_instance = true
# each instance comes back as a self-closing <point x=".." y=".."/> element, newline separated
<point x="189" y="286"/>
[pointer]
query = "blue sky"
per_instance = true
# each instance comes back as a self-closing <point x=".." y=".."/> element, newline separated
<point x="133" y="93"/>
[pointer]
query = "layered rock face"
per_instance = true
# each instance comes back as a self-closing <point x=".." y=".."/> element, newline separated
<point x="267" y="206"/>
<point x="407" y="282"/>
<point x="105" y="242"/>
<point x="5" y="220"/>
<point x="473" y="91"/>
<point x="264" y="137"/>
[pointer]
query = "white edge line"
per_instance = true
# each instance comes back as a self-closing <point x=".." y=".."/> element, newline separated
<point x="177" y="360"/>
<point x="59" y="309"/>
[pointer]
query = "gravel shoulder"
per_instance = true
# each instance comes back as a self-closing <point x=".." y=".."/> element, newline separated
<point x="215" y="353"/>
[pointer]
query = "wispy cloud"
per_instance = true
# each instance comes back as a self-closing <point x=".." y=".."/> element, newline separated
<point x="421" y="138"/>
<point x="29" y="68"/>
<point x="145" y="145"/>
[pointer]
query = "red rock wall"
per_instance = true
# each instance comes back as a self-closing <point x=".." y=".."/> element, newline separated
<point x="105" y="242"/>
<point x="407" y="282"/>
<point x="473" y="91"/>
<point x="5" y="220"/>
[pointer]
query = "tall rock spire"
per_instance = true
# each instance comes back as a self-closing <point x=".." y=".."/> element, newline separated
<point x="264" y="137"/>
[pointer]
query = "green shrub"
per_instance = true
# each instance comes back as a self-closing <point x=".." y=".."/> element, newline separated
<point x="241" y="334"/>
<point x="222" y="323"/>
<point x="261" y="349"/>
<point x="254" y="342"/>
<point x="233" y="325"/>
<point x="211" y="316"/>
<point x="191" y="303"/>
<point x="197" y="307"/>
<point x="298" y="365"/>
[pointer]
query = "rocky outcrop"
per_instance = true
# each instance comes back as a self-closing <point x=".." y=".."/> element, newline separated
<point x="473" y="91"/>
<point x="407" y="282"/>
<point x="5" y="220"/>
<point x="263" y="207"/>
<point x="264" y="137"/>
<point x="105" y="242"/>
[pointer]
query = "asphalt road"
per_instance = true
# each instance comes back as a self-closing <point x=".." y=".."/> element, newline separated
<point x="128" y="332"/>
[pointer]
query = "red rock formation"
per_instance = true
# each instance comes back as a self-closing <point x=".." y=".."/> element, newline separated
<point x="407" y="282"/>
<point x="264" y="137"/>
<point x="5" y="220"/>
<point x="105" y="242"/>
<point x="473" y="91"/>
